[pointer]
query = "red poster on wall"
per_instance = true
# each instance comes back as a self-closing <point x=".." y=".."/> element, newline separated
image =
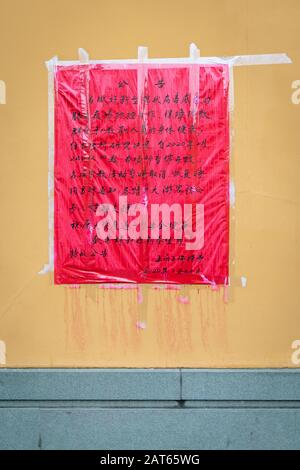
<point x="141" y="174"/>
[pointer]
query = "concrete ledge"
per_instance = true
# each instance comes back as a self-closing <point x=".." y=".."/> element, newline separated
<point x="240" y="384"/>
<point x="89" y="384"/>
<point x="150" y="384"/>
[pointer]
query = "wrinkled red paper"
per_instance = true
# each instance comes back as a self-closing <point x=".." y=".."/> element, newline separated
<point x="128" y="130"/>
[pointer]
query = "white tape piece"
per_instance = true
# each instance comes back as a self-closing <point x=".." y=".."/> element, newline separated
<point x="141" y="76"/>
<point x="142" y="79"/>
<point x="194" y="52"/>
<point x="45" y="269"/>
<point x="51" y="66"/>
<point x="262" y="59"/>
<point x="231" y="89"/>
<point x="232" y="193"/>
<point x="240" y="60"/>
<point x="194" y="81"/>
<point x="2" y="353"/>
<point x="83" y="55"/>
<point x="244" y="281"/>
<point x="142" y="53"/>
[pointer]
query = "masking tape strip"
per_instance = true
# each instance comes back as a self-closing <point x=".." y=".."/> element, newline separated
<point x="142" y="86"/>
<point x="262" y="59"/>
<point x="240" y="60"/>
<point x="142" y="74"/>
<point x="51" y="65"/>
<point x="231" y="89"/>
<point x="232" y="193"/>
<point x="84" y="96"/>
<point x="194" y="81"/>
<point x="83" y="55"/>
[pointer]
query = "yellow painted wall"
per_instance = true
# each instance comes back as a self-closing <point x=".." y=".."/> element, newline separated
<point x="49" y="326"/>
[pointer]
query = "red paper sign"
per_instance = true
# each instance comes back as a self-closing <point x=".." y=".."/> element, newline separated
<point x="141" y="174"/>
